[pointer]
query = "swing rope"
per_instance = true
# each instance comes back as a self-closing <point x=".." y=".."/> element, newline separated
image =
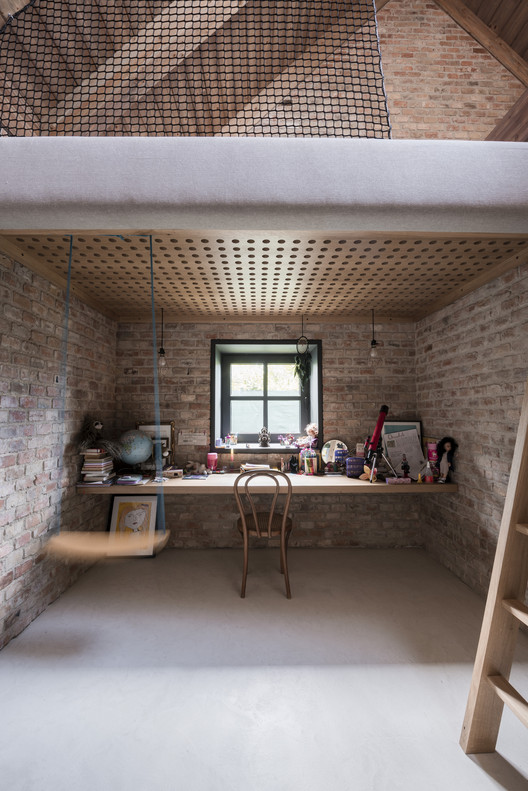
<point x="157" y="412"/>
<point x="92" y="545"/>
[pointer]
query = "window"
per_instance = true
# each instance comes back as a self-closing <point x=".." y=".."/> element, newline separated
<point x="253" y="385"/>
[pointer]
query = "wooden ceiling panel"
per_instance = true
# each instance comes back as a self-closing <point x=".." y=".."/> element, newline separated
<point x="225" y="275"/>
<point x="508" y="19"/>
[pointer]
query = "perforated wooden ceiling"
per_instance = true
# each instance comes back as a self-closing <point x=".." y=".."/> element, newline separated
<point x="220" y="275"/>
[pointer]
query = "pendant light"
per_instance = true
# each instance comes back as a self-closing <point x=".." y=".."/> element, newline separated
<point x="162" y="361"/>
<point x="303" y="359"/>
<point x="373" y="343"/>
<point x="302" y="342"/>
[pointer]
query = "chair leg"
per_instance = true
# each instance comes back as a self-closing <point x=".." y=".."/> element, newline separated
<point x="286" y="551"/>
<point x="284" y="563"/>
<point x="245" y="568"/>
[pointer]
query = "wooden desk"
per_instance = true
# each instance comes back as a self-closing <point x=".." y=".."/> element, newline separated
<point x="301" y="484"/>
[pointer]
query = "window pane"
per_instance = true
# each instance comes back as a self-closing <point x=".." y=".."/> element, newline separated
<point x="247" y="379"/>
<point x="246" y="417"/>
<point x="281" y="380"/>
<point x="284" y="417"/>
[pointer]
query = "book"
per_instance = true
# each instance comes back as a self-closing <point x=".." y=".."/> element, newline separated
<point x="108" y="482"/>
<point x="130" y="480"/>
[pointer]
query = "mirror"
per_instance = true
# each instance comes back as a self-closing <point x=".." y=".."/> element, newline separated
<point x="328" y="451"/>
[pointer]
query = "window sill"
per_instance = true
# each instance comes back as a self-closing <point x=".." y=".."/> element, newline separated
<point x="254" y="447"/>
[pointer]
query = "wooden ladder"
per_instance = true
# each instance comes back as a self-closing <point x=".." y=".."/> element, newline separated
<point x="504" y="612"/>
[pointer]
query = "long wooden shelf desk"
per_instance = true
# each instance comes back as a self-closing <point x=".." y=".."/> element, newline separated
<point x="302" y="484"/>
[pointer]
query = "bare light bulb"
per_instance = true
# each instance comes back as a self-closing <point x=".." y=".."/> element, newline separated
<point x="162" y="362"/>
<point x="373" y="350"/>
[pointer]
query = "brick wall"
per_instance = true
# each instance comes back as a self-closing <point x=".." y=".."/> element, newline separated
<point x="353" y="391"/>
<point x="471" y="372"/>
<point x="440" y="82"/>
<point x="37" y="490"/>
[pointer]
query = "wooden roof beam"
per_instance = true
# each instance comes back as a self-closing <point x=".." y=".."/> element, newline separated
<point x="337" y="34"/>
<point x="171" y="29"/>
<point x="87" y="103"/>
<point x="514" y="125"/>
<point x="20" y="113"/>
<point x="486" y="38"/>
<point x="10" y="8"/>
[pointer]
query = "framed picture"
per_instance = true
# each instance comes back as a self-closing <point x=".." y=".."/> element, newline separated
<point x="391" y="426"/>
<point x="135" y="516"/>
<point x="404" y="438"/>
<point x="163" y="433"/>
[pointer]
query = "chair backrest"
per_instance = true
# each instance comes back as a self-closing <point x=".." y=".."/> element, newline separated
<point x="246" y="496"/>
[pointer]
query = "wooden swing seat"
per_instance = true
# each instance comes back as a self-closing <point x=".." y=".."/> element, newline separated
<point x="92" y="546"/>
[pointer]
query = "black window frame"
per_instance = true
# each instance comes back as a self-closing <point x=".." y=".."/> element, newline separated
<point x="224" y="352"/>
<point x="226" y="398"/>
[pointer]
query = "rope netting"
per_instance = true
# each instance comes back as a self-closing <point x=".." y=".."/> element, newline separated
<point x="282" y="68"/>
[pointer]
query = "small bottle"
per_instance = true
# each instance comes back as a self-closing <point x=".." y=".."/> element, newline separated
<point x="428" y="474"/>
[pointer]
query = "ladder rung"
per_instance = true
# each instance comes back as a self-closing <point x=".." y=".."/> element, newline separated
<point x="522" y="529"/>
<point x="513" y="699"/>
<point x="516" y="608"/>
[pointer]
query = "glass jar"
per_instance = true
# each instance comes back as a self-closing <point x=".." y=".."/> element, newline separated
<point x="309" y="461"/>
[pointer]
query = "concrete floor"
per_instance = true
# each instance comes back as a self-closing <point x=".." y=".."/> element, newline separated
<point x="153" y="675"/>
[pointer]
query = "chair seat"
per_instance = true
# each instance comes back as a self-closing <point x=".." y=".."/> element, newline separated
<point x="262" y="521"/>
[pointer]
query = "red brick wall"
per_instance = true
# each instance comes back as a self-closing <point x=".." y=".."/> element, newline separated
<point x="471" y="372"/>
<point x="37" y="491"/>
<point x="440" y="82"/>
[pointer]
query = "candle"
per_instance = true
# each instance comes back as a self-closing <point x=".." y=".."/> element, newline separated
<point x="232" y="457"/>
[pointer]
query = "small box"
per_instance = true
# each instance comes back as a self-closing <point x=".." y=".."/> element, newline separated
<point x="173" y="472"/>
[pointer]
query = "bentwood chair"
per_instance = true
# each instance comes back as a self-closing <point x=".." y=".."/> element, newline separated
<point x="264" y="514"/>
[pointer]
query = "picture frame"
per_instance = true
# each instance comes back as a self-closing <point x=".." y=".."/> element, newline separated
<point x="391" y="426"/>
<point x="135" y="515"/>
<point x="397" y="441"/>
<point x="165" y="431"/>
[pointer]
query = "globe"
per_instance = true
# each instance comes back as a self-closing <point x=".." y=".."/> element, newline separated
<point x="136" y="446"/>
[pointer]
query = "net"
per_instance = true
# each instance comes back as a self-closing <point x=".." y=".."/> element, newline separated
<point x="280" y="68"/>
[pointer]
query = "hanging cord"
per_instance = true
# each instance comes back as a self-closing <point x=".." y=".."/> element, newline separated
<point x="160" y="518"/>
<point x="62" y="383"/>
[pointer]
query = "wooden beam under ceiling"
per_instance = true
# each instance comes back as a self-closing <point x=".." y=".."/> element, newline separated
<point x="514" y="125"/>
<point x="486" y="37"/>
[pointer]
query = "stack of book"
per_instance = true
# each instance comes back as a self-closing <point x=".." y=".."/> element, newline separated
<point x="98" y="468"/>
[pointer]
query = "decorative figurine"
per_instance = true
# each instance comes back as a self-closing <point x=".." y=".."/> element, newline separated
<point x="310" y="438"/>
<point x="91" y="436"/>
<point x="264" y="437"/>
<point x="446" y="449"/>
<point x="405" y="466"/>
